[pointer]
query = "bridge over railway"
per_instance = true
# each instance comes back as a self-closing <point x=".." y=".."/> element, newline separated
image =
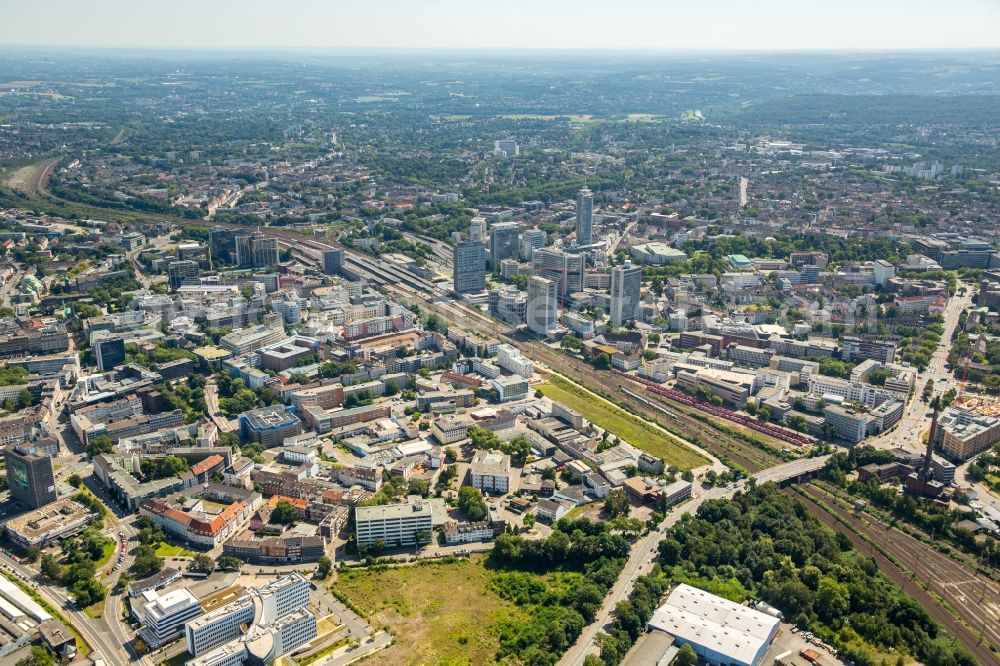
<point x="796" y="470"/>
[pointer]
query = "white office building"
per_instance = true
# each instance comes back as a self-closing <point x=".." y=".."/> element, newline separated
<point x="395" y="525"/>
<point x="164" y="616"/>
<point x="510" y="359"/>
<point x="626" y="282"/>
<point x="542" y="308"/>
<point x="255" y="608"/>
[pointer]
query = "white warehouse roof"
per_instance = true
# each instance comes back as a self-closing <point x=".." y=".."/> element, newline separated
<point x="717" y="624"/>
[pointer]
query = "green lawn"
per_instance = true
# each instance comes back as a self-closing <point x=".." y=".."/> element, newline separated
<point x="169" y="550"/>
<point x="440" y="613"/>
<point x="109" y="549"/>
<point x="618" y="422"/>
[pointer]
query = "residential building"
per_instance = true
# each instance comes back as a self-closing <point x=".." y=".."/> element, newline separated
<point x="489" y="472"/>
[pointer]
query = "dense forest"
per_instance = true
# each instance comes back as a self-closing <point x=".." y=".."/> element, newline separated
<point x="764" y="545"/>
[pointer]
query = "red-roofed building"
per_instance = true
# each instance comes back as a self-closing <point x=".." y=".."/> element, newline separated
<point x="207" y="467"/>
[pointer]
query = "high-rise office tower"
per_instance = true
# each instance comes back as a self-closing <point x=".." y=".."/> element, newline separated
<point x="563" y="268"/>
<point x="477" y="229"/>
<point x="30" y="476"/>
<point x="469" y="266"/>
<point x="256" y="251"/>
<point x="333" y="261"/>
<point x="222" y="243"/>
<point x="626" y="282"/>
<point x="531" y="240"/>
<point x="110" y="352"/>
<point x="503" y="242"/>
<point x="542" y="309"/>
<point x="179" y="272"/>
<point x="584" y="216"/>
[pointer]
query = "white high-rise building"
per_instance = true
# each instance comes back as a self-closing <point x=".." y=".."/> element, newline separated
<point x="477" y="229"/>
<point x="584" y="216"/>
<point x="542" y="311"/>
<point x="626" y="282"/>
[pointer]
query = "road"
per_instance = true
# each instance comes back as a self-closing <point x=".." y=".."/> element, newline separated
<point x="908" y="433"/>
<point x="9" y="285"/>
<point x="212" y="405"/>
<point x="640" y="562"/>
<point x="57" y="598"/>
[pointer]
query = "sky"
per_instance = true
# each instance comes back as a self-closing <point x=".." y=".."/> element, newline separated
<point x="518" y="24"/>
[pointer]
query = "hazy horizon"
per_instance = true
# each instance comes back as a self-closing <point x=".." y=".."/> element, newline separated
<point x="520" y="25"/>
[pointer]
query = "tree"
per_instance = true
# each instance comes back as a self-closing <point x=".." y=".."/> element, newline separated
<point x="147" y="562"/>
<point x="51" y="568"/>
<point x="99" y="444"/>
<point x="686" y="656"/>
<point x="324" y="567"/>
<point x="529" y="520"/>
<point x="602" y="361"/>
<point x="284" y="513"/>
<point x="471" y="502"/>
<point x="615" y="504"/>
<point x="229" y="563"/>
<point x="39" y="657"/>
<point x="202" y="563"/>
<point x="74" y="480"/>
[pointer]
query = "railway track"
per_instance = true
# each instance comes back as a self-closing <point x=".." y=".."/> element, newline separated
<point x="975" y="600"/>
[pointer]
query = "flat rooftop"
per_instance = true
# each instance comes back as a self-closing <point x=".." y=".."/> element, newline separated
<point x="51" y="518"/>
<point x="727" y="628"/>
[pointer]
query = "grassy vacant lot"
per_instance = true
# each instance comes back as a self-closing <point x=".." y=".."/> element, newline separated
<point x="618" y="422"/>
<point x="440" y="612"/>
<point x="169" y="550"/>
